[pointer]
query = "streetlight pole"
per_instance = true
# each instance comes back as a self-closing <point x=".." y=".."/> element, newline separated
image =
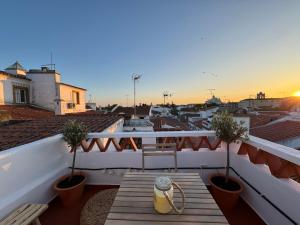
<point x="135" y="77"/>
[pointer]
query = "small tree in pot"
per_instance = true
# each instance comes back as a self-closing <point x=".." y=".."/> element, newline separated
<point x="70" y="187"/>
<point x="226" y="188"/>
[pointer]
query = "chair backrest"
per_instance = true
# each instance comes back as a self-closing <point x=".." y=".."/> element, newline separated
<point x="161" y="149"/>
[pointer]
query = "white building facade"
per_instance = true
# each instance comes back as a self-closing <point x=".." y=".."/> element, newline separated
<point x="40" y="87"/>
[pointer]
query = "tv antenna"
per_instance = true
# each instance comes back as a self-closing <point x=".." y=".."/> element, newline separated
<point x="135" y="78"/>
<point x="51" y="64"/>
<point x="166" y="94"/>
<point x="90" y="98"/>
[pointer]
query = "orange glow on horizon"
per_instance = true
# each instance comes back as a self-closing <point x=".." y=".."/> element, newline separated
<point x="297" y="94"/>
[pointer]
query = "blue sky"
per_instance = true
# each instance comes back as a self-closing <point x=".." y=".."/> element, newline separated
<point x="251" y="45"/>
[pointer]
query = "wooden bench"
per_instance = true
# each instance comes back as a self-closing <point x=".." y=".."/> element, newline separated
<point x="24" y="215"/>
<point x="165" y="149"/>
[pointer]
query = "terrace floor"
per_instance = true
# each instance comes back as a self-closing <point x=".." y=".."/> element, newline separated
<point x="58" y="215"/>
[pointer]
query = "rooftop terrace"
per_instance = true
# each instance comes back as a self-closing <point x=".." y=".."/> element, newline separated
<point x="269" y="172"/>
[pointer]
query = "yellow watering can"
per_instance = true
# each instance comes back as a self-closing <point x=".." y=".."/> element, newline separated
<point x="163" y="195"/>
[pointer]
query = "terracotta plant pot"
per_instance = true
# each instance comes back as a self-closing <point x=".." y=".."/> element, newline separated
<point x="70" y="195"/>
<point x="225" y="197"/>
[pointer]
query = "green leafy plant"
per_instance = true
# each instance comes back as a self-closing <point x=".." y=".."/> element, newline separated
<point x="74" y="132"/>
<point x="228" y="130"/>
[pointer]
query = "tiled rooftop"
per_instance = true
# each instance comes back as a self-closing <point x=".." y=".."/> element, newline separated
<point x="278" y="131"/>
<point x="18" y="134"/>
<point x="198" y="123"/>
<point x="263" y="118"/>
<point x="23" y="112"/>
<point x="260" y="120"/>
<point x="160" y="123"/>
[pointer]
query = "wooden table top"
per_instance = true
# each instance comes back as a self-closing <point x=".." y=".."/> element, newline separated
<point x="133" y="204"/>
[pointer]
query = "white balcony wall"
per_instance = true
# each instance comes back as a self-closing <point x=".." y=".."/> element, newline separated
<point x="28" y="172"/>
<point x="96" y="160"/>
<point x="284" y="193"/>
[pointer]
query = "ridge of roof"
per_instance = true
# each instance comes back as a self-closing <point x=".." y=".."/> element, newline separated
<point x="70" y="85"/>
<point x="15" y="66"/>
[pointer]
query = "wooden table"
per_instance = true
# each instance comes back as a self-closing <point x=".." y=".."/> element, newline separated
<point x="133" y="204"/>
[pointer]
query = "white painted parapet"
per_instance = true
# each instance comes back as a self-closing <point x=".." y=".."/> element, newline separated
<point x="28" y="172"/>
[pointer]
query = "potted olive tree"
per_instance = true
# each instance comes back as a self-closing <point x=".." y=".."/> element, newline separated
<point x="225" y="188"/>
<point x="70" y="187"/>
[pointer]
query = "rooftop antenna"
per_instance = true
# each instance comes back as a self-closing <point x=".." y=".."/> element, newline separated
<point x="135" y="78"/>
<point x="90" y="98"/>
<point x="51" y="64"/>
<point x="165" y="94"/>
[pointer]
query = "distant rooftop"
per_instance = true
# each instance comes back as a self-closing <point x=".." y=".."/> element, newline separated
<point x="15" y="66"/>
<point x="140" y="110"/>
<point x="168" y="123"/>
<point x="43" y="69"/>
<point x="138" y="123"/>
<point x="262" y="118"/>
<point x="278" y="131"/>
<point x="198" y="123"/>
<point x="261" y="99"/>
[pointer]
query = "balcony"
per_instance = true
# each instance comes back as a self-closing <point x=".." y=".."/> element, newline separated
<point x="269" y="172"/>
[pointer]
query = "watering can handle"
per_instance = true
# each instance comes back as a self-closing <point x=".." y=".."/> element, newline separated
<point x="179" y="211"/>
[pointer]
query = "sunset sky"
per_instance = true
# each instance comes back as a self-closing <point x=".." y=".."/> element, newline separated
<point x="242" y="46"/>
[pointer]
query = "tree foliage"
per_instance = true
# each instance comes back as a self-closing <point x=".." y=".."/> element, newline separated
<point x="227" y="129"/>
<point x="74" y="132"/>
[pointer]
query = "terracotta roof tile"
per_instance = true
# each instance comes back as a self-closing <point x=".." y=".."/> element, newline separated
<point x="172" y="122"/>
<point x="278" y="131"/>
<point x="23" y="112"/>
<point x="198" y="123"/>
<point x="263" y="118"/>
<point x="26" y="132"/>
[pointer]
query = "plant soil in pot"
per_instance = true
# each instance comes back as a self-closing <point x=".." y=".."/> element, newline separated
<point x="225" y="193"/>
<point x="70" y="189"/>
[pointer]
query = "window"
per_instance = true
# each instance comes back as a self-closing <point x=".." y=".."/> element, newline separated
<point x="70" y="105"/>
<point x="76" y="97"/>
<point x="20" y="95"/>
